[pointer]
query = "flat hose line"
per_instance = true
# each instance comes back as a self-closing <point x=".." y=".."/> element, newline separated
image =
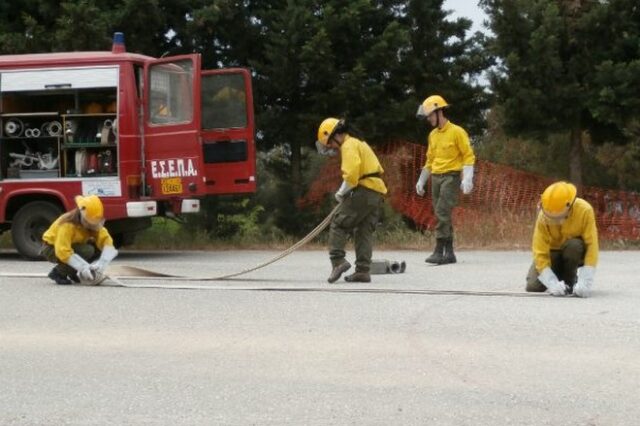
<point x="116" y="282"/>
<point x="118" y="273"/>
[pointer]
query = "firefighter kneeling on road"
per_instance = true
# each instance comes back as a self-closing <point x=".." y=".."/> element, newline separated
<point x="449" y="152"/>
<point x="565" y="244"/>
<point x="360" y="197"/>
<point x="79" y="244"/>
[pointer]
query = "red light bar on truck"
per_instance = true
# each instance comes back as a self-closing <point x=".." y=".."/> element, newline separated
<point x="118" y="43"/>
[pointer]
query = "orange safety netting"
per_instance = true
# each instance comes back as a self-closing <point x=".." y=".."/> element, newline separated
<point x="501" y="194"/>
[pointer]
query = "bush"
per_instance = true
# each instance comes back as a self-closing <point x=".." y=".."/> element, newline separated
<point x="5" y="240"/>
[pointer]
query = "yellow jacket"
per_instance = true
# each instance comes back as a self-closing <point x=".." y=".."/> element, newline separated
<point x="358" y="160"/>
<point x="63" y="235"/>
<point x="580" y="223"/>
<point x="449" y="149"/>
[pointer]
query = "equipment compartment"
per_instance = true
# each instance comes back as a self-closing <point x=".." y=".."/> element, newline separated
<point x="54" y="124"/>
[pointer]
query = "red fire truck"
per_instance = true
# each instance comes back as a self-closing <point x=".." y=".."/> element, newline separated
<point x="149" y="136"/>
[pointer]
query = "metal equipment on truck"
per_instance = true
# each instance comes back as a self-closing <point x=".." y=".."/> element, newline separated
<point x="149" y="136"/>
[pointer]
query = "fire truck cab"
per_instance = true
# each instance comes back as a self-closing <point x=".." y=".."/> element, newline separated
<point x="149" y="136"/>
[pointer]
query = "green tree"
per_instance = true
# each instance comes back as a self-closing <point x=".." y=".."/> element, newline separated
<point x="445" y="58"/>
<point x="36" y="26"/>
<point x="565" y="67"/>
<point x="26" y="26"/>
<point x="370" y="61"/>
<point x="614" y="29"/>
<point x="224" y="32"/>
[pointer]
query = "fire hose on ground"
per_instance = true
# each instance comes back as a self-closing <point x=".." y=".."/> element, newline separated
<point x="116" y="274"/>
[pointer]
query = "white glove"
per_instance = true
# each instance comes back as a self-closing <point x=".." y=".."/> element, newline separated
<point x="585" y="281"/>
<point x="467" y="180"/>
<point x="85" y="273"/>
<point x="422" y="181"/>
<point x="97" y="280"/>
<point x="343" y="191"/>
<point x="554" y="286"/>
<point x="108" y="254"/>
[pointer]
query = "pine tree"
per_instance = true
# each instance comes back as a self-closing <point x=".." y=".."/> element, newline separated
<point x="566" y="66"/>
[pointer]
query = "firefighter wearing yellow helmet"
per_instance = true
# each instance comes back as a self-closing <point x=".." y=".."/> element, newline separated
<point x="360" y="197"/>
<point x="449" y="163"/>
<point x="79" y="244"/>
<point x="565" y="243"/>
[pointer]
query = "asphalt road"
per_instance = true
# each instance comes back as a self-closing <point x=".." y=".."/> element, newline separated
<point x="101" y="356"/>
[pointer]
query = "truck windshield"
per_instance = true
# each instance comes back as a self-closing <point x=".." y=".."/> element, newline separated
<point x="224" y="103"/>
<point x="171" y="92"/>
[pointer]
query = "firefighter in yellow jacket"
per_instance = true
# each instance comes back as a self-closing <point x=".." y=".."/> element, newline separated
<point x="79" y="244"/>
<point x="450" y="161"/>
<point x="360" y="196"/>
<point x="565" y="243"/>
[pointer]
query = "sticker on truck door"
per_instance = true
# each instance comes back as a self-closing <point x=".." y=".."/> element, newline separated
<point x="102" y="187"/>
<point x="171" y="186"/>
<point x="173" y="167"/>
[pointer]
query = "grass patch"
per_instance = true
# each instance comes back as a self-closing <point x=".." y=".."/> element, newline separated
<point x="166" y="234"/>
<point x="5" y="240"/>
<point x="507" y="233"/>
<point x="394" y="233"/>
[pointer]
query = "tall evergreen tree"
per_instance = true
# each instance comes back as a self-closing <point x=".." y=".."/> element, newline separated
<point x="36" y="26"/>
<point x="372" y="61"/>
<point x="557" y="71"/>
<point x="444" y="58"/>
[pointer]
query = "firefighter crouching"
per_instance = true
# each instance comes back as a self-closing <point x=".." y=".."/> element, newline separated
<point x="565" y="244"/>
<point x="449" y="154"/>
<point x="79" y="244"/>
<point x="361" y="196"/>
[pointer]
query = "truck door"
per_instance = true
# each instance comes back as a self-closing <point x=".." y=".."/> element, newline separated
<point x="172" y="147"/>
<point x="227" y="128"/>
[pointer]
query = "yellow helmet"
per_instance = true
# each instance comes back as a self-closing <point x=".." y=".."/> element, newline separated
<point x="327" y="129"/>
<point x="557" y="199"/>
<point x="431" y="104"/>
<point x="91" y="210"/>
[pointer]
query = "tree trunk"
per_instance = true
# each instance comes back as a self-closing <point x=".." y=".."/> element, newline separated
<point x="575" y="156"/>
<point x="296" y="169"/>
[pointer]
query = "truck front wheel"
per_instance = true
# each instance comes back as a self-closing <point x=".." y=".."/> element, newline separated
<point x="28" y="225"/>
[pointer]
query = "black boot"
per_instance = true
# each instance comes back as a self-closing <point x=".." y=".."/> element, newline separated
<point x="449" y="255"/>
<point x="338" y="269"/>
<point x="358" y="277"/>
<point x="437" y="255"/>
<point x="56" y="276"/>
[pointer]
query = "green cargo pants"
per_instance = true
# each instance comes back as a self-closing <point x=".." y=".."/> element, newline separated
<point x="564" y="263"/>
<point x="445" y="189"/>
<point x="88" y="252"/>
<point x="358" y="216"/>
